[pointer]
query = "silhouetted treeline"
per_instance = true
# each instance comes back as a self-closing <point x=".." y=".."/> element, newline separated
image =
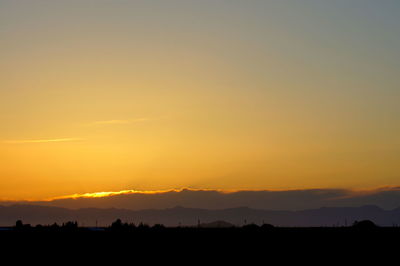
<point x="120" y="226"/>
<point x="68" y="226"/>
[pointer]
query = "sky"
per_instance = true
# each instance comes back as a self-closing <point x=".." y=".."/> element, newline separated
<point x="228" y="95"/>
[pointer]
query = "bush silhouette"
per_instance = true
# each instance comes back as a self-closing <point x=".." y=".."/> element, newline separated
<point x="365" y="224"/>
<point x="267" y="227"/>
<point x="158" y="227"/>
<point x="250" y="227"/>
<point x="118" y="225"/>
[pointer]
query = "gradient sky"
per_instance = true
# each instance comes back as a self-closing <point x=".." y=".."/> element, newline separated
<point x="151" y="95"/>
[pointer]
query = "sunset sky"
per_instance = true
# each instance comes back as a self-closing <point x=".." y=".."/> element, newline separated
<point x="100" y="95"/>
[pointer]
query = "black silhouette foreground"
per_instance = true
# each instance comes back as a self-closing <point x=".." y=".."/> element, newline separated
<point x="128" y="241"/>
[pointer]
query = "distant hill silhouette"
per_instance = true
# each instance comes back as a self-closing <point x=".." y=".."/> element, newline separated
<point x="189" y="216"/>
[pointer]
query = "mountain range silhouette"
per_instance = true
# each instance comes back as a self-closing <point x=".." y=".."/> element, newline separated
<point x="326" y="216"/>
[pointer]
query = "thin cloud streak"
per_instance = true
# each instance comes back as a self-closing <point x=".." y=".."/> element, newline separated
<point x="119" y="122"/>
<point x="113" y="193"/>
<point x="41" y="140"/>
<point x="105" y="194"/>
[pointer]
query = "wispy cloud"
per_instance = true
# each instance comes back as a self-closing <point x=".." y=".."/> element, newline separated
<point x="119" y="122"/>
<point x="22" y="141"/>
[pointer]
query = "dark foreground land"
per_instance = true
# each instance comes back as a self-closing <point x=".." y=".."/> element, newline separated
<point x="158" y="242"/>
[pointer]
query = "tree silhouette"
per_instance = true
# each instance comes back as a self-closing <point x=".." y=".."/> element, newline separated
<point x="19" y="224"/>
<point x="117" y="225"/>
<point x="70" y="226"/>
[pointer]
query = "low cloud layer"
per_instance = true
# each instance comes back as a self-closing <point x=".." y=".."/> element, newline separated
<point x="386" y="198"/>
